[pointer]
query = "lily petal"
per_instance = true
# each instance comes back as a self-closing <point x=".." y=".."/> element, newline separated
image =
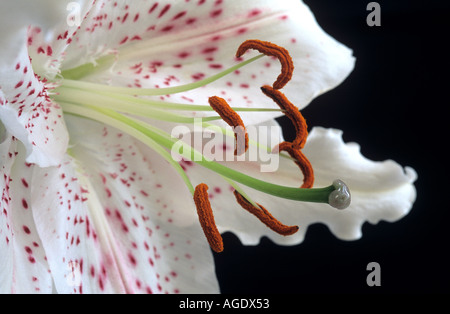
<point x="123" y="227"/>
<point x="47" y="41"/>
<point x="27" y="112"/>
<point x="379" y="190"/>
<point x="25" y="108"/>
<point x="23" y="266"/>
<point x="161" y="44"/>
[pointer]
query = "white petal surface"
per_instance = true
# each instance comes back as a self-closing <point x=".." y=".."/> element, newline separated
<point x="25" y="109"/>
<point x="125" y="227"/>
<point x="27" y="112"/>
<point x="23" y="265"/>
<point x="48" y="38"/>
<point x="162" y="43"/>
<point x="380" y="191"/>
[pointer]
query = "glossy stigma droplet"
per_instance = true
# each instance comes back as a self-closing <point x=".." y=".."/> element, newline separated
<point x="340" y="198"/>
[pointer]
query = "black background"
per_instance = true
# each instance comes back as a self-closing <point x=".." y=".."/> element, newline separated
<point x="394" y="105"/>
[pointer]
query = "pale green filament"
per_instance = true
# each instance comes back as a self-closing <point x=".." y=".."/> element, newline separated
<point x="125" y="106"/>
<point x="149" y="108"/>
<point x="155" y="91"/>
<point x="157" y="104"/>
<point x="240" y="191"/>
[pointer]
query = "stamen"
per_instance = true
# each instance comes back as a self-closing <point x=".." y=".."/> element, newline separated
<point x="301" y="161"/>
<point x="269" y="49"/>
<point x="292" y="112"/>
<point x="129" y="106"/>
<point x="265" y="217"/>
<point x="232" y="119"/>
<point x="301" y="130"/>
<point x="206" y="218"/>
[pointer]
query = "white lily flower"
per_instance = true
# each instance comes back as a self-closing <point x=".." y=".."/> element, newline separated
<point x="92" y="201"/>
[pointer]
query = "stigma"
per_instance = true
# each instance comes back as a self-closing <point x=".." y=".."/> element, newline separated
<point x="340" y="198"/>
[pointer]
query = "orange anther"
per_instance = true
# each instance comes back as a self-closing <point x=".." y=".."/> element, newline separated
<point x="292" y="112"/>
<point x="269" y="49"/>
<point x="232" y="119"/>
<point x="206" y="218"/>
<point x="301" y="161"/>
<point x="265" y="216"/>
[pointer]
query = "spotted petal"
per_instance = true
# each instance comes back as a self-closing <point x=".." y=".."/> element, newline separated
<point x="108" y="212"/>
<point x="380" y="191"/>
<point x="52" y="33"/>
<point x="25" y="108"/>
<point x="162" y="43"/>
<point x="23" y="266"/>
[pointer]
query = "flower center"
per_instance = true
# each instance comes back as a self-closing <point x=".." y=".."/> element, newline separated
<point x="123" y="108"/>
